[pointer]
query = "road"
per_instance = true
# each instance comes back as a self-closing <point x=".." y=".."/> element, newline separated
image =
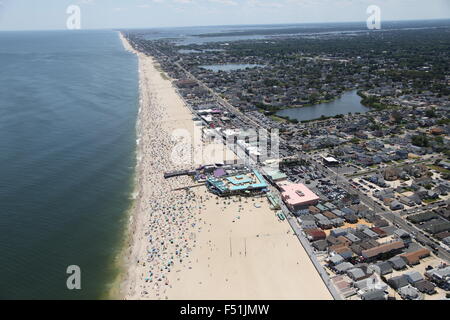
<point x="418" y="234"/>
<point x="393" y="217"/>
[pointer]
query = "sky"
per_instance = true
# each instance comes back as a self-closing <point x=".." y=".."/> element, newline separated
<point x="115" y="14"/>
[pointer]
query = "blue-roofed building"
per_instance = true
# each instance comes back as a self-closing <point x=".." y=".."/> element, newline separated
<point x="245" y="183"/>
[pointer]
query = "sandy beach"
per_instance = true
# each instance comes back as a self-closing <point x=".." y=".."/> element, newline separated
<point x="185" y="243"/>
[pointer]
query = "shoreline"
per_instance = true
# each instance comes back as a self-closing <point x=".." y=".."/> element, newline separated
<point x="185" y="242"/>
<point x="122" y="257"/>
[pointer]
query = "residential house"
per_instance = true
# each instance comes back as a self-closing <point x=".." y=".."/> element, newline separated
<point x="426" y="286"/>
<point x="338" y="232"/>
<point x="370" y="233"/>
<point x="410" y="293"/>
<point x="403" y="235"/>
<point x="336" y="259"/>
<point x="352" y="238"/>
<point x="344" y="252"/>
<point x="343" y="267"/>
<point x="315" y="234"/>
<point x="398" y="282"/>
<point x="308" y="224"/>
<point x="338" y="222"/>
<point x="356" y="274"/>
<point x="351" y="218"/>
<point x="374" y="295"/>
<point x="380" y="232"/>
<point x="413" y="277"/>
<point x="320" y="245"/>
<point x="382" y="268"/>
<point x="396" y="205"/>
<point x="440" y="276"/>
<point x="398" y="263"/>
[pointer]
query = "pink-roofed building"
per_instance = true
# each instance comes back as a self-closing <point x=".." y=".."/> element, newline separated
<point x="298" y="196"/>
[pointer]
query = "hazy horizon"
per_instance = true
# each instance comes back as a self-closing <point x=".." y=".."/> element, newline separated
<point x="224" y="25"/>
<point x="21" y="15"/>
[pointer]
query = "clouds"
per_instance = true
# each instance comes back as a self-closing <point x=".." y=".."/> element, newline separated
<point x="225" y="2"/>
<point x="86" y="2"/>
<point x="288" y="4"/>
<point x="183" y="1"/>
<point x="212" y="3"/>
<point x="51" y="14"/>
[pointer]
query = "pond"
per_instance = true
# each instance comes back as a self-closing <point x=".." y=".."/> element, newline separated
<point x="348" y="102"/>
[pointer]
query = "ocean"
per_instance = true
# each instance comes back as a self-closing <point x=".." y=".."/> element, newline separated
<point x="68" y="109"/>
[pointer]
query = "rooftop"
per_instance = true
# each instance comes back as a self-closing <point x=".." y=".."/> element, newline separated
<point x="240" y="182"/>
<point x="296" y="194"/>
<point x="373" y="252"/>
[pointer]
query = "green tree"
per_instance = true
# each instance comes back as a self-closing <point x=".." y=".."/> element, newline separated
<point x="420" y="140"/>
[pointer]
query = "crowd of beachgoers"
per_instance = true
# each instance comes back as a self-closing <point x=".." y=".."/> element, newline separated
<point x="165" y="216"/>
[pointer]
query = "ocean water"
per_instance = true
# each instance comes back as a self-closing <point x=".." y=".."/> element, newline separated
<point x="68" y="108"/>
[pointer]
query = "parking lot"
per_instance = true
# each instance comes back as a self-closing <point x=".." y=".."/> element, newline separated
<point x="310" y="175"/>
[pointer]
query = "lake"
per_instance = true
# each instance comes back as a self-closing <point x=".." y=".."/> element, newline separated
<point x="348" y="102"/>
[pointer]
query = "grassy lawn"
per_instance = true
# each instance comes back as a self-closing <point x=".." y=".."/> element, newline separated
<point x="277" y="119"/>
<point x="431" y="200"/>
<point x="439" y="169"/>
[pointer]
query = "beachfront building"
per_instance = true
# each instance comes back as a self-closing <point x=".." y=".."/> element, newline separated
<point x="244" y="183"/>
<point x="275" y="175"/>
<point x="298" y="196"/>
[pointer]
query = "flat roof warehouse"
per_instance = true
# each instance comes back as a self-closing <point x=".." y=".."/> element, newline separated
<point x="297" y="196"/>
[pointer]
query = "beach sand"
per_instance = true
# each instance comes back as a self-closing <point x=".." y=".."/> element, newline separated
<point x="190" y="244"/>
